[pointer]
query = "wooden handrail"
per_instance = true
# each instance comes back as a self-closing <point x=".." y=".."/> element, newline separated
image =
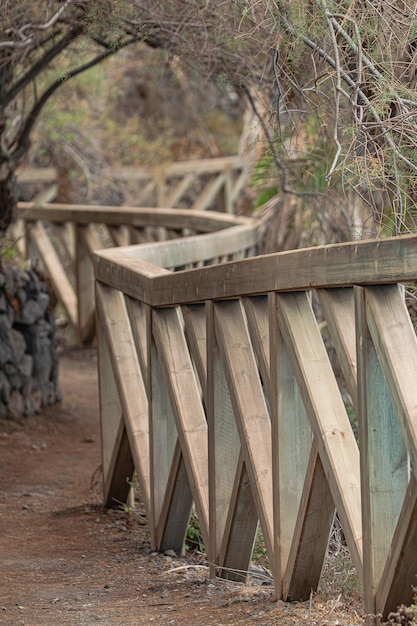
<point x="245" y="415"/>
<point x="366" y="262"/>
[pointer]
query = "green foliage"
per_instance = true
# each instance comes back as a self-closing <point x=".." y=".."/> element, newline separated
<point x="194" y="539"/>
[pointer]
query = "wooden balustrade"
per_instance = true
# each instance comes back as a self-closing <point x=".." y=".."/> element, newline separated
<point x="217" y="387"/>
<point x="198" y="184"/>
<point x="64" y="238"/>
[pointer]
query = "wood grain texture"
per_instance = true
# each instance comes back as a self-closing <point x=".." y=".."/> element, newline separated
<point x="129" y="382"/>
<point x="327" y="415"/>
<point x="388" y="261"/>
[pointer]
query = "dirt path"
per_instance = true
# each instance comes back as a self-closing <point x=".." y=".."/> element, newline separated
<point x="66" y="561"/>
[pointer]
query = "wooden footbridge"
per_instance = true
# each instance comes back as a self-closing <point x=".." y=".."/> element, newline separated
<point x="217" y="388"/>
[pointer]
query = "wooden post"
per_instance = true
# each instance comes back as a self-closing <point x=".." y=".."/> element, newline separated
<point x="383" y="456"/>
<point x="117" y="461"/>
<point x="163" y="442"/>
<point x="291" y="450"/>
<point x="223" y="444"/>
<point x="85" y="283"/>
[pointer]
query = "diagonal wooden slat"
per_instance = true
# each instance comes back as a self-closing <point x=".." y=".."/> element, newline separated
<point x="249" y="407"/>
<point x="186" y="405"/>
<point x="397" y="584"/>
<point x="53" y="265"/>
<point x="117" y="463"/>
<point x="174" y="196"/>
<point x="129" y="381"/>
<point x="240" y="529"/>
<point x="311" y="534"/>
<point x="291" y="449"/>
<point x="195" y="332"/>
<point x="257" y="314"/>
<point x="223" y="446"/>
<point x="209" y="193"/>
<point x="86" y="242"/>
<point x="163" y="435"/>
<point x="139" y="315"/>
<point x="384" y="458"/>
<point x="395" y="342"/>
<point x="327" y="415"/>
<point x="339" y="311"/>
<point x="175" y="512"/>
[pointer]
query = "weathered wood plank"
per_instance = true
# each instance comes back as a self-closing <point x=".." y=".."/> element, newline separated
<point x="339" y="311"/>
<point x="173" y="197"/>
<point x="162" y="431"/>
<point x="249" y="407"/>
<point x="311" y="534"/>
<point x="389" y="261"/>
<point x="291" y="444"/>
<point x="395" y="342"/>
<point x="120" y="235"/>
<point x="195" y="332"/>
<point x="186" y="405"/>
<point x="139" y="217"/>
<point x="111" y="426"/>
<point x="139" y="316"/>
<point x="240" y="529"/>
<point x="66" y="234"/>
<point x="384" y="462"/>
<point x="86" y="242"/>
<point x="62" y="286"/>
<point x="193" y="249"/>
<point x="258" y="322"/>
<point x="327" y="415"/>
<point x="398" y="579"/>
<point x="208" y="194"/>
<point x="111" y="311"/>
<point x="223" y="445"/>
<point x="173" y="520"/>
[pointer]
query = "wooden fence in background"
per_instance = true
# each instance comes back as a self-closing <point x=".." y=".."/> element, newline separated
<point x="198" y="184"/>
<point x="216" y="386"/>
<point x="64" y="237"/>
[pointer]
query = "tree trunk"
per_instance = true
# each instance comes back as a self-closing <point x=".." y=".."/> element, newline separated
<point x="8" y="197"/>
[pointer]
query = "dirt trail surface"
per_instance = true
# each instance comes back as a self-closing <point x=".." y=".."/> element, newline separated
<point x="64" y="560"/>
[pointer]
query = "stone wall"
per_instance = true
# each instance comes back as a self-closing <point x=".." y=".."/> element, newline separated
<point x="28" y="361"/>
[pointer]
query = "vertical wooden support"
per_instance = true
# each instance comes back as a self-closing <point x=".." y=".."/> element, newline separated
<point x="339" y="311"/>
<point x="85" y="285"/>
<point x="30" y="247"/>
<point x="227" y="191"/>
<point x="223" y="443"/>
<point x="121" y="357"/>
<point x="188" y="413"/>
<point x="66" y="234"/>
<point x="384" y="463"/>
<point x="252" y="421"/>
<point x="291" y="450"/>
<point x="327" y="416"/>
<point x="240" y="528"/>
<point x="117" y="462"/>
<point x="163" y="437"/>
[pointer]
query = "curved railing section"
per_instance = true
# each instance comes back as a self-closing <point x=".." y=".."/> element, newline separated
<point x="217" y="387"/>
<point x="64" y="237"/>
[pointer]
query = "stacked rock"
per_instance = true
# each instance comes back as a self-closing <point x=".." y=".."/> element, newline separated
<point x="28" y="361"/>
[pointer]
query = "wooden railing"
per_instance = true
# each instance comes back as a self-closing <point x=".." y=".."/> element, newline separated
<point x="64" y="237"/>
<point x="198" y="184"/>
<point x="216" y="386"/>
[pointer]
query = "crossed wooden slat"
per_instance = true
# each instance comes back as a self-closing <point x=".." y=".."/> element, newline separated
<point x="277" y="444"/>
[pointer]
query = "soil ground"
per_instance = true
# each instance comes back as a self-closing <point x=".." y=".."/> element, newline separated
<point x="64" y="560"/>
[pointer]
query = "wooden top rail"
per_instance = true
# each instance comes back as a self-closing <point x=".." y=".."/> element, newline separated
<point x="387" y="261"/>
<point x="132" y="216"/>
<point x="178" y="168"/>
<point x="218" y="387"/>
